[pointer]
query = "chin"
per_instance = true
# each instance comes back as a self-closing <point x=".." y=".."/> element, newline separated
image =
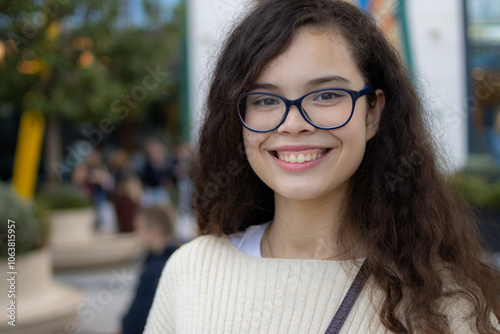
<point x="312" y="190"/>
<point x="299" y="192"/>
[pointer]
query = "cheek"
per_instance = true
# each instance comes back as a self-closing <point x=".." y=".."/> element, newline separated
<point x="252" y="142"/>
<point x="356" y="129"/>
<point x="353" y="142"/>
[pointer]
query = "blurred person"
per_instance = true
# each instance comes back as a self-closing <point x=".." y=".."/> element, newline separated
<point x="93" y="175"/>
<point x="154" y="227"/>
<point x="127" y="192"/>
<point x="127" y="197"/>
<point x="157" y="174"/>
<point x="186" y="229"/>
<point x="120" y="165"/>
<point x="182" y="167"/>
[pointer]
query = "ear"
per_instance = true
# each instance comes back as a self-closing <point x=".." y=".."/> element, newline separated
<point x="373" y="116"/>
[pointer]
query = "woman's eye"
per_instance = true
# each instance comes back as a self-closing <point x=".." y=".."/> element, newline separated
<point x="326" y="96"/>
<point x="266" y="101"/>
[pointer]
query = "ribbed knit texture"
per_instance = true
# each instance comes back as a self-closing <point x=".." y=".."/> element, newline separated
<point x="209" y="286"/>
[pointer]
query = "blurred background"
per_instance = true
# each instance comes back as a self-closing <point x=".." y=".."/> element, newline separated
<point x="100" y="102"/>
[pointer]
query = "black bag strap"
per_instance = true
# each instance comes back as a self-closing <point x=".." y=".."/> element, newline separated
<point x="348" y="301"/>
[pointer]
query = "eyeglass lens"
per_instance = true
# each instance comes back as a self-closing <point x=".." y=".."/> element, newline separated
<point x="325" y="108"/>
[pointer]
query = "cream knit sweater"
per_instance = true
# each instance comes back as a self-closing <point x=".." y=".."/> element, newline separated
<point x="209" y="286"/>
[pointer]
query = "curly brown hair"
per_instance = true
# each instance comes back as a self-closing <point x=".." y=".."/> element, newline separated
<point x="413" y="225"/>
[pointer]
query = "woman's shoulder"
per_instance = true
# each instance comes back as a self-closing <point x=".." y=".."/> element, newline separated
<point x="198" y="248"/>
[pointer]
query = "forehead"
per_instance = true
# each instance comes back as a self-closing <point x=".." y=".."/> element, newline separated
<point x="313" y="53"/>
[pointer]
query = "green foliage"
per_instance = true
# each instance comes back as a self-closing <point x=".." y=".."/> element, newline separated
<point x="65" y="197"/>
<point x="31" y="222"/>
<point x="478" y="190"/>
<point x="74" y="59"/>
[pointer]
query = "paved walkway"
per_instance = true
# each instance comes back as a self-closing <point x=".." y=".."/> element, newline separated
<point x="107" y="293"/>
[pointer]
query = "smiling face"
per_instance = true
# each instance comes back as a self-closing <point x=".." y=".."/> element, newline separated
<point x="297" y="160"/>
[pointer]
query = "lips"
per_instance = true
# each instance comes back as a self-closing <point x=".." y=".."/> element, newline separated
<point x="299" y="157"/>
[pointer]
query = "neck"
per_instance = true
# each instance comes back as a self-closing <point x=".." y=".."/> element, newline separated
<point x="305" y="230"/>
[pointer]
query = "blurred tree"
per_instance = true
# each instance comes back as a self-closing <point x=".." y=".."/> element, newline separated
<point x="93" y="61"/>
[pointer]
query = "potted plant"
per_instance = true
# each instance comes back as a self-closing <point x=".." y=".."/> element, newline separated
<point x="74" y="240"/>
<point x="35" y="303"/>
<point x="31" y="229"/>
<point x="481" y="190"/>
<point x="72" y="215"/>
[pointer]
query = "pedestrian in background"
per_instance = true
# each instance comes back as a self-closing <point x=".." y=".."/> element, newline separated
<point x="127" y="192"/>
<point x="157" y="175"/>
<point x="154" y="227"/>
<point x="93" y="175"/>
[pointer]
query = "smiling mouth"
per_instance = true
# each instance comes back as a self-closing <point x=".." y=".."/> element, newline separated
<point x="299" y="157"/>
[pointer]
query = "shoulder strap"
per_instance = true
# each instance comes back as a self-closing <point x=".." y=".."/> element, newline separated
<point x="349" y="300"/>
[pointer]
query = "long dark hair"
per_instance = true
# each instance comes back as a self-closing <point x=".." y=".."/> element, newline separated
<point x="415" y="230"/>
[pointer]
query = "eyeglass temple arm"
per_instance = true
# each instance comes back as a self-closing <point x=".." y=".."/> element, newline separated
<point x="367" y="90"/>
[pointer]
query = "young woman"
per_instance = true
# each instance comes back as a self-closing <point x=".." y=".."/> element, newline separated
<point x="314" y="161"/>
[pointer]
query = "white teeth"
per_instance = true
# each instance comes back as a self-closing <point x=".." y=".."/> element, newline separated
<point x="300" y="158"/>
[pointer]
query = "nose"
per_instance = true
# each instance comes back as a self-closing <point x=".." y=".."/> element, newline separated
<point x="295" y="123"/>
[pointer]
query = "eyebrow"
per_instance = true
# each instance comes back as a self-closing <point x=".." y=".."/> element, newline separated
<point x="330" y="78"/>
<point x="310" y="83"/>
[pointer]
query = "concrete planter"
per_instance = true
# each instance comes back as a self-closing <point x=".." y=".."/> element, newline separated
<point x="72" y="226"/>
<point x="101" y="250"/>
<point x="76" y="244"/>
<point x="42" y="306"/>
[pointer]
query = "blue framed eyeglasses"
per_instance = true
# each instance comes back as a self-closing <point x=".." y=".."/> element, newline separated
<point x="325" y="109"/>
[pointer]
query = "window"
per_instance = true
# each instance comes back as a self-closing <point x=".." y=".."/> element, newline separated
<point x="482" y="19"/>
